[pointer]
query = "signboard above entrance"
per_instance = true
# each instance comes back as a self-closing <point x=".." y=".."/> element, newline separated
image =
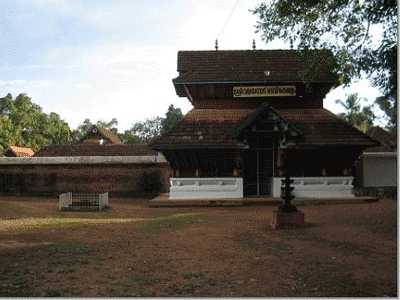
<point x="264" y="91"/>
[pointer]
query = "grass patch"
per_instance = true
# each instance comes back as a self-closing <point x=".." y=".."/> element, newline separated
<point x="23" y="224"/>
<point x="172" y="222"/>
<point x="15" y="283"/>
<point x="383" y="224"/>
<point x="69" y="248"/>
<point x="14" y="210"/>
<point x="137" y="285"/>
<point x="341" y="246"/>
<point x="260" y="242"/>
<point x="192" y="285"/>
<point x="321" y="277"/>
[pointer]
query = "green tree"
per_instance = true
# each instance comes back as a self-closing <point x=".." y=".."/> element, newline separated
<point x="344" y="27"/>
<point x="7" y="136"/>
<point x="111" y="125"/>
<point x="146" y="131"/>
<point x="129" y="137"/>
<point x="23" y="123"/>
<point x="172" y="117"/>
<point x="360" y="117"/>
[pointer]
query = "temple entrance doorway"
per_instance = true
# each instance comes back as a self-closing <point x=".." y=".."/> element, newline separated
<point x="258" y="171"/>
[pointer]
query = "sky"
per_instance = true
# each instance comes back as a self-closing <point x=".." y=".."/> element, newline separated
<point x="104" y="59"/>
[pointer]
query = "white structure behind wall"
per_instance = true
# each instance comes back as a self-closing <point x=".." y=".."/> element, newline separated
<point x="378" y="169"/>
<point x="206" y="188"/>
<point x="317" y="187"/>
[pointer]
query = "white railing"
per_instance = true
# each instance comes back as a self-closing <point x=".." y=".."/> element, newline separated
<point x="65" y="201"/>
<point x="317" y="187"/>
<point x="103" y="200"/>
<point x="77" y="201"/>
<point x="206" y="188"/>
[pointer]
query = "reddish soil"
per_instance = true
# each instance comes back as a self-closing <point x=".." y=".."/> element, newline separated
<point x="132" y="250"/>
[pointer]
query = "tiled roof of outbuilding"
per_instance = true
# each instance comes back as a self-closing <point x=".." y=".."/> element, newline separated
<point x="217" y="127"/>
<point x="21" y="151"/>
<point x="104" y="133"/>
<point x="250" y="66"/>
<point x="96" y="150"/>
<point x="108" y="134"/>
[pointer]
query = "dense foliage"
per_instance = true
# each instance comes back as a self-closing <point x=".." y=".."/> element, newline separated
<point x="361" y="117"/>
<point x="23" y="123"/>
<point x="361" y="34"/>
<point x="146" y="131"/>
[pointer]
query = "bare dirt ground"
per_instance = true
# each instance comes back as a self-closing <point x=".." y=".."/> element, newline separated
<point x="133" y="250"/>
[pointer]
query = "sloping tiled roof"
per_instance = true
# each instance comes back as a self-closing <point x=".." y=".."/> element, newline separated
<point x="205" y="127"/>
<point x="250" y="66"/>
<point x="322" y="127"/>
<point x="104" y="133"/>
<point x="21" y="151"/>
<point x="96" y="150"/>
<point x="388" y="141"/>
<point x="108" y="134"/>
<point x="217" y="127"/>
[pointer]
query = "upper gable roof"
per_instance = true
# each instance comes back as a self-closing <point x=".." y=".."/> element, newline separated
<point x="218" y="128"/>
<point x="266" y="111"/>
<point x="102" y="132"/>
<point x="20" y="151"/>
<point x="250" y="66"/>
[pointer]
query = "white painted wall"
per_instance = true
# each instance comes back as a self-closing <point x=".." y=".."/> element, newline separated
<point x="317" y="187"/>
<point x="379" y="169"/>
<point x="206" y="188"/>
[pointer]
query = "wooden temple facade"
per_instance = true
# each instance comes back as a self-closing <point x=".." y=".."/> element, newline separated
<point x="256" y="115"/>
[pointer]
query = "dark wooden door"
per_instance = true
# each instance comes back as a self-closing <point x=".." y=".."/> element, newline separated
<point x="258" y="170"/>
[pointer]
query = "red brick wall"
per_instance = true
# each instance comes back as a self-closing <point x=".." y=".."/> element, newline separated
<point x="117" y="179"/>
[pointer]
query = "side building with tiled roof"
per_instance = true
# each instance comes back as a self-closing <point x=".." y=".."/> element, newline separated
<point x="98" y="163"/>
<point x="377" y="166"/>
<point x="258" y="114"/>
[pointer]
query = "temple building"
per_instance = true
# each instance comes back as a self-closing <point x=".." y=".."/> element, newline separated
<point x="258" y="114"/>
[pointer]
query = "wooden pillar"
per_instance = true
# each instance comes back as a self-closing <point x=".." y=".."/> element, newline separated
<point x="237" y="168"/>
<point x="280" y="161"/>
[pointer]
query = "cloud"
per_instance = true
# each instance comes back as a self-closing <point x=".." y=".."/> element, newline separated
<point x="104" y="59"/>
<point x="26" y="83"/>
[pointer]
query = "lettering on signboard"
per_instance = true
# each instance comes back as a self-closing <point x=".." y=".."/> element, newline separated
<point x="264" y="91"/>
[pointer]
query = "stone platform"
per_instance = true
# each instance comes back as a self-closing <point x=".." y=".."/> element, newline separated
<point x="164" y="201"/>
<point x="287" y="219"/>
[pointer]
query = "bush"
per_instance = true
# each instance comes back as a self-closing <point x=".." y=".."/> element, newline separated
<point x="151" y="182"/>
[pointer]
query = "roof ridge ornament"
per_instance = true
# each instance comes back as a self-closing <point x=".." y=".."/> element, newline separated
<point x="254" y="44"/>
<point x="216" y="44"/>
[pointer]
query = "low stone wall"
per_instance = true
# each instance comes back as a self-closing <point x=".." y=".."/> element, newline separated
<point x="206" y="188"/>
<point x="56" y="175"/>
<point x="317" y="187"/>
